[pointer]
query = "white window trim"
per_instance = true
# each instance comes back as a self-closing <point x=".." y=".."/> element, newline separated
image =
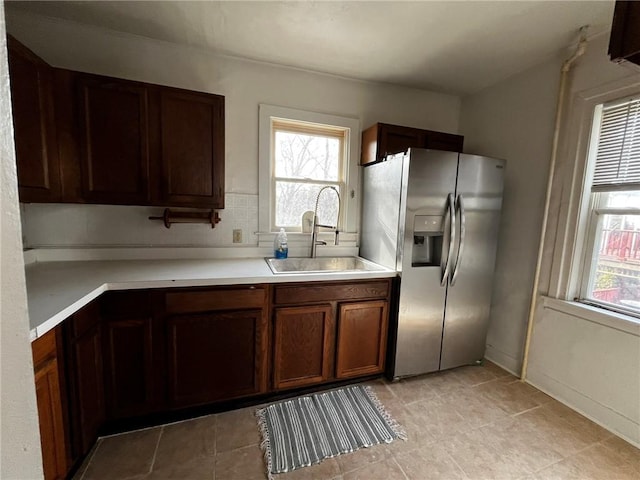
<point x="351" y="198"/>
<point x="571" y="245"/>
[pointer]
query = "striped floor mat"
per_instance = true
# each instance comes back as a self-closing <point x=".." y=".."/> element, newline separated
<point x="304" y="431"/>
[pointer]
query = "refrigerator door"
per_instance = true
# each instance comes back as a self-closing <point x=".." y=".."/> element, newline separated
<point x="478" y="204"/>
<point x="382" y="194"/>
<point x="430" y="179"/>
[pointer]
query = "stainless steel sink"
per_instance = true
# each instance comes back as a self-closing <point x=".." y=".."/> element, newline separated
<point x="322" y="265"/>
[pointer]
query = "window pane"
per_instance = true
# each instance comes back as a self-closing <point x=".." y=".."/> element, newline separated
<point x="307" y="156"/>
<point x="293" y="199"/>
<point x="622" y="199"/>
<point x="617" y="262"/>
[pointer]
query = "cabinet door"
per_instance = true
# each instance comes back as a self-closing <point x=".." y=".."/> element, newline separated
<point x="129" y="367"/>
<point x="192" y="149"/>
<point x="304" y="339"/>
<point x="362" y="338"/>
<point x="216" y="356"/>
<point x="114" y="140"/>
<point x="34" y="125"/>
<point x="49" y="398"/>
<point x="86" y="379"/>
<point x="395" y="139"/>
<point x="624" y="43"/>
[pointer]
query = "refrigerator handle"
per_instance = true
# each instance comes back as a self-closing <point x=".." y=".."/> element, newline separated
<point x="460" y="203"/>
<point x="452" y="236"/>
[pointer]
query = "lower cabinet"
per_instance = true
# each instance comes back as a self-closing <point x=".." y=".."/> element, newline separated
<point x="142" y="352"/>
<point x="132" y="353"/>
<point x="362" y="338"/>
<point x="215" y="356"/>
<point x="303" y="344"/>
<point x="325" y="331"/>
<point x="49" y="397"/>
<point x="86" y="378"/>
<point x="217" y="344"/>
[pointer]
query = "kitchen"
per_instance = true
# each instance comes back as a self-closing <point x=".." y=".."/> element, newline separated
<point x="523" y="136"/>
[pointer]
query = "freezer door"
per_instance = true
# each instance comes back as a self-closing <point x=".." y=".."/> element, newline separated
<point x="431" y="177"/>
<point x="382" y="192"/>
<point x="478" y="204"/>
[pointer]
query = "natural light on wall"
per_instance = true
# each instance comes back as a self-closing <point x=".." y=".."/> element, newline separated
<point x="612" y="260"/>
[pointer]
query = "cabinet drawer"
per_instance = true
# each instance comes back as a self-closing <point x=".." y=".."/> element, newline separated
<point x="307" y="293"/>
<point x="219" y="299"/>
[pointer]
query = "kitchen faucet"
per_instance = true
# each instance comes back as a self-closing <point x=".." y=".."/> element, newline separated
<point x="314" y="228"/>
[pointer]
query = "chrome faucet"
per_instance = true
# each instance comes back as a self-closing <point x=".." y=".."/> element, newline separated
<point x="314" y="228"/>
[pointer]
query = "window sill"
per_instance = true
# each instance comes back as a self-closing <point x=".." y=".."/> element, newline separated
<point x="593" y="314"/>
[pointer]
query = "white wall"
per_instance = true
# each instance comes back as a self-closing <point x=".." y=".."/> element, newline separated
<point x="244" y="84"/>
<point x="592" y="367"/>
<point x="19" y="438"/>
<point x="514" y="121"/>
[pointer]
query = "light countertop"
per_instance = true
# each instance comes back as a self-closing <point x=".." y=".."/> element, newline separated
<point x="56" y="290"/>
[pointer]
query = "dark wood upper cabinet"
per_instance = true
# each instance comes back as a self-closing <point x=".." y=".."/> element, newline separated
<point x="624" y="43"/>
<point x="192" y="139"/>
<point x="34" y="125"/>
<point x="114" y="140"/>
<point x="383" y="139"/>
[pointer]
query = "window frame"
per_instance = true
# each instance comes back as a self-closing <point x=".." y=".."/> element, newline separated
<point x="350" y="197"/>
<point x="593" y="207"/>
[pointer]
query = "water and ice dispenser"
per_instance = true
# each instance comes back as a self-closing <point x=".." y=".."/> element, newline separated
<point x="428" y="233"/>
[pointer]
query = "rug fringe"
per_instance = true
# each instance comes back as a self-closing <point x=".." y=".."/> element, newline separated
<point x="395" y="426"/>
<point x="265" y="445"/>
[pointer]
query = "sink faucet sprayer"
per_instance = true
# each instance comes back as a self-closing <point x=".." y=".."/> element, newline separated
<point x="314" y="228"/>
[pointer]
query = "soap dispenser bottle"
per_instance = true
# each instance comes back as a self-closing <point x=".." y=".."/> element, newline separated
<point x="280" y="247"/>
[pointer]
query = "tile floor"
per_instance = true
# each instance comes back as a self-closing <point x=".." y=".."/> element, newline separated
<point x="468" y="423"/>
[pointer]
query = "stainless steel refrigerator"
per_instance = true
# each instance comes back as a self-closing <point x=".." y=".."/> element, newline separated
<point x="434" y="217"/>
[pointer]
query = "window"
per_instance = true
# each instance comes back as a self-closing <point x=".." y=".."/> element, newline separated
<point x="305" y="157"/>
<point x="612" y="260"/>
<point x="300" y="153"/>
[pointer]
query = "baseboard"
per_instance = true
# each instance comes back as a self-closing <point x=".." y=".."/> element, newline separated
<point x="509" y="363"/>
<point x="604" y="416"/>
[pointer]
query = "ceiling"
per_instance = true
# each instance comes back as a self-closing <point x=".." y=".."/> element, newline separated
<point x="456" y="47"/>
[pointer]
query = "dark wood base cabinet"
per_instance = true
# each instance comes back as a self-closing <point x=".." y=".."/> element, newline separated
<point x="138" y="355"/>
<point x="50" y="401"/>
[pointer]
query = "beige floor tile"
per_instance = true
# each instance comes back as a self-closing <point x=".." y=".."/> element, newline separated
<point x="124" y="456"/>
<point x="627" y="451"/>
<point x="476" y="410"/>
<point x="429" y="463"/>
<point x="483" y="456"/>
<point x="185" y="441"/>
<point x="385" y="470"/>
<point x="437" y="417"/>
<point x="594" y="463"/>
<point x="474" y="375"/>
<point x="201" y="468"/>
<point x="326" y="469"/>
<point x="510" y="394"/>
<point x="241" y="464"/>
<point x="349" y="462"/>
<point x="80" y="472"/>
<point x="495" y="369"/>
<point x="236" y="429"/>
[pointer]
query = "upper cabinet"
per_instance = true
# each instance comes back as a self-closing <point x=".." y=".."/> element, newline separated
<point x="114" y="141"/>
<point x="34" y="125"/>
<point x="192" y="148"/>
<point x="624" y="43"/>
<point x="383" y="139"/>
